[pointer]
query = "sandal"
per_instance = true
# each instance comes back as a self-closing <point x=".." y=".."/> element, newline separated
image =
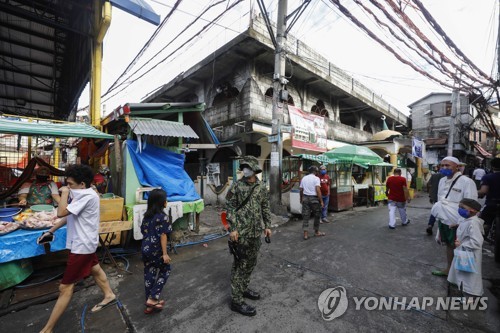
<point x="440" y="273"/>
<point x="158" y="306"/>
<point x="101" y="306"/>
<point x="306" y="235"/>
<point x="319" y="234"/>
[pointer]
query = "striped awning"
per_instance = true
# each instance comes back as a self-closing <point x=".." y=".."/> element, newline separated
<point x="157" y="127"/>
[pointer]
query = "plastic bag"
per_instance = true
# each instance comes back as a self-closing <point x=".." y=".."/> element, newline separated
<point x="438" y="237"/>
<point x="465" y="261"/>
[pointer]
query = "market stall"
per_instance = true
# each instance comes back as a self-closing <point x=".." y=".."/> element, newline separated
<point x="359" y="170"/>
<point x="49" y="143"/>
<point x="305" y="161"/>
<point x="156" y="141"/>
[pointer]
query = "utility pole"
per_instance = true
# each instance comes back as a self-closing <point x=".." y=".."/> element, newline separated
<point x="498" y="77"/>
<point x="275" y="174"/>
<point x="455" y="108"/>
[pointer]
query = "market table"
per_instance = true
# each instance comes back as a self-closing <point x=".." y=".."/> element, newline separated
<point x="22" y="244"/>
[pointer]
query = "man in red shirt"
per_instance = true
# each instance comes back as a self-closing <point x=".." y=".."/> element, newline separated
<point x="325" y="183"/>
<point x="398" y="195"/>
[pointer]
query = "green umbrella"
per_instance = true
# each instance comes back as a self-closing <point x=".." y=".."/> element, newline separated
<point x="354" y="154"/>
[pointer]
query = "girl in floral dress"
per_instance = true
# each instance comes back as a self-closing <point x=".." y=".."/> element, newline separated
<point x="155" y="228"/>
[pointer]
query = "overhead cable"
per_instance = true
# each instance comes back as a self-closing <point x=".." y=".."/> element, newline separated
<point x="426" y="40"/>
<point x="146" y="45"/>
<point x="126" y="81"/>
<point x="347" y="13"/>
<point x="177" y="49"/>
<point x="449" y="42"/>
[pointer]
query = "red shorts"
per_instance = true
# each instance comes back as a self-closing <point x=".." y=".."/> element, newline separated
<point x="79" y="267"/>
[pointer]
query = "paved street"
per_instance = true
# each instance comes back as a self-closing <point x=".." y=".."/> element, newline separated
<point x="358" y="253"/>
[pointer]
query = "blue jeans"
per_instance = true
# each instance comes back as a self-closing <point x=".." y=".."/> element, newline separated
<point x="324" y="210"/>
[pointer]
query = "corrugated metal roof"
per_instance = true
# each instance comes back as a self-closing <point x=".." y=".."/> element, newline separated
<point x="44" y="56"/>
<point x="159" y="127"/>
<point x="70" y="130"/>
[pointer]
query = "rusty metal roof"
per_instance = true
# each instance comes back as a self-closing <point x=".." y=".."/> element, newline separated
<point x="157" y="127"/>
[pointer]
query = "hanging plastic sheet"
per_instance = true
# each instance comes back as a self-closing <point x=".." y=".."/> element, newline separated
<point x="158" y="167"/>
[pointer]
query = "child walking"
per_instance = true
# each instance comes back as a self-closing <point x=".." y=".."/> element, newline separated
<point x="469" y="238"/>
<point x="155" y="228"/>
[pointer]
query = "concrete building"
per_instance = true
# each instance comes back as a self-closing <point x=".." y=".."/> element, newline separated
<point x="431" y="116"/>
<point x="235" y="82"/>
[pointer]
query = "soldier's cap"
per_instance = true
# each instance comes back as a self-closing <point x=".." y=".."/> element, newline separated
<point x="250" y="162"/>
<point x="471" y="203"/>
<point x="312" y="169"/>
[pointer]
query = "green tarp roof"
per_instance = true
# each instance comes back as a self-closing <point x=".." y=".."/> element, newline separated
<point x="70" y="130"/>
<point x="356" y="154"/>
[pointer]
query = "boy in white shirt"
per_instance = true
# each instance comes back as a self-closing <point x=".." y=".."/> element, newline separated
<point x="82" y="219"/>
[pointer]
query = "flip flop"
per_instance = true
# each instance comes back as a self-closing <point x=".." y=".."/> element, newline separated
<point x="439" y="273"/>
<point x="158" y="306"/>
<point x="306" y="236"/>
<point x="319" y="234"/>
<point x="153" y="308"/>
<point x="101" y="306"/>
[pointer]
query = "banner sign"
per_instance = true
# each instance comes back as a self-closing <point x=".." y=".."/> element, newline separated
<point x="416" y="147"/>
<point x="309" y="130"/>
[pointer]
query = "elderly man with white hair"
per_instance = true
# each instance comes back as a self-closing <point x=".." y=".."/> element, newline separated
<point x="451" y="190"/>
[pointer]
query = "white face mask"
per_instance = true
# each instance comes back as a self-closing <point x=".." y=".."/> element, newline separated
<point x="248" y="172"/>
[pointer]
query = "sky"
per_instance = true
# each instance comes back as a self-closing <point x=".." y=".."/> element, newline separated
<point x="472" y="25"/>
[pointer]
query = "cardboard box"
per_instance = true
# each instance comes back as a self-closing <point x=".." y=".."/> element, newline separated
<point x="114" y="226"/>
<point x="111" y="209"/>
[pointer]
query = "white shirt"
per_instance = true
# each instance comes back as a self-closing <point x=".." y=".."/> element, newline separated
<point x="478" y="174"/>
<point x="83" y="222"/>
<point x="446" y="209"/>
<point x="309" y="183"/>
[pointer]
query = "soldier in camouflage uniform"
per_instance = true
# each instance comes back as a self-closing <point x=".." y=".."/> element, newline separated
<point x="247" y="221"/>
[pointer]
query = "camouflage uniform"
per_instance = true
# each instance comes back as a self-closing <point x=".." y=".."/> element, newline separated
<point x="248" y="222"/>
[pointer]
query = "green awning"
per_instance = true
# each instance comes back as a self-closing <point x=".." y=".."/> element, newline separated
<point x="318" y="158"/>
<point x="355" y="154"/>
<point x="70" y="130"/>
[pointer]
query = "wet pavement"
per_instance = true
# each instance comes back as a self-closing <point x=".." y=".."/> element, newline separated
<point x="359" y="254"/>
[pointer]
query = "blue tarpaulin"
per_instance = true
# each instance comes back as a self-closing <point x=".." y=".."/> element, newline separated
<point x="22" y="244"/>
<point x="158" y="167"/>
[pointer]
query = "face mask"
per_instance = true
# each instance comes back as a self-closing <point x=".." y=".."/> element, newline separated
<point x="323" y="172"/>
<point x="42" y="178"/>
<point x="248" y="172"/>
<point x="463" y="212"/>
<point x="446" y="172"/>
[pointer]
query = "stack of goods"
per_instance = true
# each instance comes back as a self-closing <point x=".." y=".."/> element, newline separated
<point x="38" y="220"/>
<point x="6" y="227"/>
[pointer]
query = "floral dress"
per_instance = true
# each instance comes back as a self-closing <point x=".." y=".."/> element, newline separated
<point x="156" y="272"/>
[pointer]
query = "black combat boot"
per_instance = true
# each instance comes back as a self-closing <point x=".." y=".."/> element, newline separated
<point x="244" y="309"/>
<point x="250" y="294"/>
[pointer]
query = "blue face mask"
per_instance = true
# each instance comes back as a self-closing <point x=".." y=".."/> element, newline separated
<point x="323" y="172"/>
<point x="446" y="172"/>
<point x="463" y="212"/>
